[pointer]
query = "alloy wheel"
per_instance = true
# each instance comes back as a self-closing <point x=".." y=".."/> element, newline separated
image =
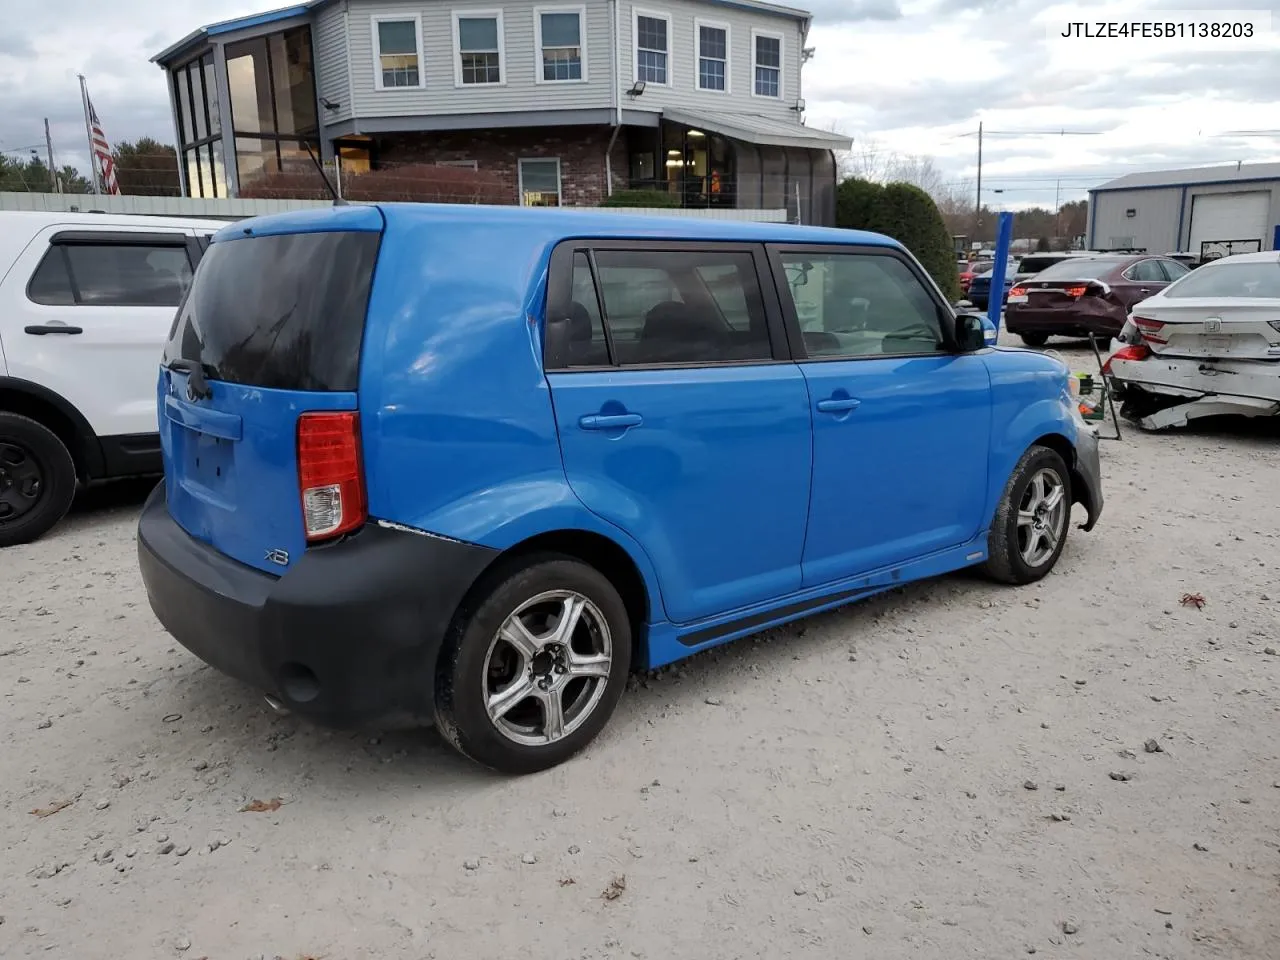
<point x="1041" y="517"/>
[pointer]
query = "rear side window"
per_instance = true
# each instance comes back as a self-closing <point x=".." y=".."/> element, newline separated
<point x="661" y="307"/>
<point x="284" y="312"/>
<point x="1173" y="269"/>
<point x="111" y="275"/>
<point x="1146" y="271"/>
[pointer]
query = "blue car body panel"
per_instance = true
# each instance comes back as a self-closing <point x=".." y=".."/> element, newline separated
<point x="740" y="504"/>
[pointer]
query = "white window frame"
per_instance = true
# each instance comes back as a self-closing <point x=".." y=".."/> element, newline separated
<point x="459" y="15"/>
<point x="378" y="18"/>
<point x="782" y="63"/>
<point x="520" y="177"/>
<point x="581" y="11"/>
<point x="698" y="24"/>
<point x="636" y="14"/>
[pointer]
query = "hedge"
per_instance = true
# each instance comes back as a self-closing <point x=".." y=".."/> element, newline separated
<point x="641" y="198"/>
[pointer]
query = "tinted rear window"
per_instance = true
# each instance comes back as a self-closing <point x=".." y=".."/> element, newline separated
<point x="1250" y="280"/>
<point x="1036" y="264"/>
<point x="1079" y="268"/>
<point x="285" y="312"/>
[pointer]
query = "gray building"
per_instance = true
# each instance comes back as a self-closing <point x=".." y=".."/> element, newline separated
<point x="1207" y="211"/>
<point x="563" y="102"/>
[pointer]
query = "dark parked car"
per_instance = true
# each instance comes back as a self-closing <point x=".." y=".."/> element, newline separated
<point x="979" y="292"/>
<point x="1085" y="296"/>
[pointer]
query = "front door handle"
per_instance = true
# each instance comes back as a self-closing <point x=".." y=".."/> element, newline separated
<point x="40" y="329"/>
<point x="610" y="421"/>
<point x="838" y="405"/>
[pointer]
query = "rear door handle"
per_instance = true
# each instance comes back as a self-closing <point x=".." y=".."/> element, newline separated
<point x="610" y="421"/>
<point x="840" y="405"/>
<point x="40" y="329"/>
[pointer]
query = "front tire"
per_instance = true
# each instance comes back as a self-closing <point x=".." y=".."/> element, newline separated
<point x="37" y="479"/>
<point x="1034" y="339"/>
<point x="1032" y="519"/>
<point x="532" y="672"/>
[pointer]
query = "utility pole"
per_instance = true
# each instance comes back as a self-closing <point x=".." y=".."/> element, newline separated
<point x="54" y="186"/>
<point x="1057" y="210"/>
<point x="977" y="210"/>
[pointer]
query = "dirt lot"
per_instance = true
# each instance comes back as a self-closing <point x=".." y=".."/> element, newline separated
<point x="954" y="770"/>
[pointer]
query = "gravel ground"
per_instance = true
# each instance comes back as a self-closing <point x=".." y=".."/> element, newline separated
<point x="1084" y="768"/>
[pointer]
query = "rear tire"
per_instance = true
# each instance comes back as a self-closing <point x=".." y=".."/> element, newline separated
<point x="37" y="479"/>
<point x="1028" y="533"/>
<point x="515" y="690"/>
<point x="1034" y="339"/>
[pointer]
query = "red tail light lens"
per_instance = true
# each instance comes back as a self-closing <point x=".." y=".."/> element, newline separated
<point x="1018" y="292"/>
<point x="330" y="477"/>
<point x="1129" y="352"/>
<point x="1151" y="330"/>
<point x="1077" y="292"/>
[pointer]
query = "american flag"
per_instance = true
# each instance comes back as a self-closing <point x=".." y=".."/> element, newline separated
<point x="104" y="164"/>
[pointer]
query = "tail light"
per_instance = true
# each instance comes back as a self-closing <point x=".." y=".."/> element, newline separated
<point x="1018" y="292"/>
<point x="1138" y="352"/>
<point x="1077" y="292"/>
<point x="1151" y="330"/>
<point x="330" y="476"/>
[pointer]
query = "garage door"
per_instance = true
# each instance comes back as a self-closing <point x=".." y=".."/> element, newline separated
<point x="1219" y="217"/>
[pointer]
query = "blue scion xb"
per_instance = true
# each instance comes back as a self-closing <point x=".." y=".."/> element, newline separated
<point x="475" y="464"/>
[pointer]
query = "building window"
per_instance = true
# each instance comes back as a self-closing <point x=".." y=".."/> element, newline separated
<point x="560" y="44"/>
<point x="713" y="56"/>
<point x="653" y="31"/>
<point x="273" y="105"/>
<point x="540" y="183"/>
<point x="478" y="37"/>
<point x="397" y="52"/>
<point x="768" y="64"/>
<point x="195" y="93"/>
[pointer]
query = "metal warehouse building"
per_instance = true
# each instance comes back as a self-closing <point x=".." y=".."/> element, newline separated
<point x="1208" y="211"/>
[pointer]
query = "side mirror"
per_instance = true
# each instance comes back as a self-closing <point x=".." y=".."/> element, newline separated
<point x="971" y="333"/>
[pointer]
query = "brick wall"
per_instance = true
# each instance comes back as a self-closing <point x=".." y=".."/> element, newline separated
<point x="581" y="151"/>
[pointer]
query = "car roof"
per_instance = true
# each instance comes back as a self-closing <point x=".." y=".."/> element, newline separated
<point x="38" y="219"/>
<point x="542" y="221"/>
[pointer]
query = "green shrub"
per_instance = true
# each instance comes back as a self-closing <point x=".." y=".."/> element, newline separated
<point x="641" y="198"/>
<point x="907" y="214"/>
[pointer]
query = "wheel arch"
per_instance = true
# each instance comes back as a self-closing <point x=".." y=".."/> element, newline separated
<point x="59" y="415"/>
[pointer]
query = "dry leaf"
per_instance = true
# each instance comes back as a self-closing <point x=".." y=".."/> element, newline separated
<point x="615" y="888"/>
<point x="262" y="806"/>
<point x="1193" y="600"/>
<point x="50" y="810"/>
<point x="567" y="881"/>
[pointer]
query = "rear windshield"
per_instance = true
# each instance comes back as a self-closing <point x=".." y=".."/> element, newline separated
<point x="1079" y="268"/>
<point x="1036" y="264"/>
<point x="1249" y="280"/>
<point x="285" y="312"/>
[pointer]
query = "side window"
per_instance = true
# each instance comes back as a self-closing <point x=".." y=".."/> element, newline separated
<point x="666" y="307"/>
<point x="578" y="339"/>
<point x="51" y="283"/>
<point x="1173" y="269"/>
<point x="1146" y="271"/>
<point x="127" y="275"/>
<point x="861" y="305"/>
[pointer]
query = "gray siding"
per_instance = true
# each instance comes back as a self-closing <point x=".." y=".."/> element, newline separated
<point x="683" y="89"/>
<point x="329" y="39"/>
<point x="440" y="95"/>
<point x="1159" y="212"/>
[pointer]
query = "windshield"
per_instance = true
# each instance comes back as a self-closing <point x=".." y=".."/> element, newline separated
<point x="1079" y="268"/>
<point x="1249" y="280"/>
<point x="1036" y="264"/>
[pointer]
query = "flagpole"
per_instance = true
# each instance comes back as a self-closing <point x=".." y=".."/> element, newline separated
<point x="88" y="133"/>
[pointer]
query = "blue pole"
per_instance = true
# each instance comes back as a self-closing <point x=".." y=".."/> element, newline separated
<point x="1004" y="240"/>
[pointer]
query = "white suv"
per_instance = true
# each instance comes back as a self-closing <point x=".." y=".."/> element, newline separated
<point x="86" y="301"/>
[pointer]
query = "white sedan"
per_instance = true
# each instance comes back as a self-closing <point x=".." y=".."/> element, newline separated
<point x="1205" y="345"/>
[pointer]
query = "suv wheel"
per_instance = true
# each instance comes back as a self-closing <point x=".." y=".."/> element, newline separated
<point x="1031" y="521"/>
<point x="1034" y="339"/>
<point x="531" y="674"/>
<point x="37" y="479"/>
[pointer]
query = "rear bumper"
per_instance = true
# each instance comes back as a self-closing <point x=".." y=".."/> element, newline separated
<point x="1193" y="378"/>
<point x="1086" y="477"/>
<point x="349" y="635"/>
<point x="1097" y="317"/>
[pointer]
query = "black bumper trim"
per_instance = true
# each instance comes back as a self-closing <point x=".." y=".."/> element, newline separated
<point x="365" y="616"/>
<point x="1086" y="477"/>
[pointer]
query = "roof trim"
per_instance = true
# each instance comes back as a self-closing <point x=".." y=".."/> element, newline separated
<point x="170" y="53"/>
<point x="739" y="128"/>
<point x="1190" y="176"/>
<point x="1185" y="185"/>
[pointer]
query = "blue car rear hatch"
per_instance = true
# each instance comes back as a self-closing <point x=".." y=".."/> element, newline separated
<point x="270" y="331"/>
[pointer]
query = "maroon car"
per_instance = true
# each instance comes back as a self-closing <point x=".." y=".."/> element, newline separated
<point x="1085" y="296"/>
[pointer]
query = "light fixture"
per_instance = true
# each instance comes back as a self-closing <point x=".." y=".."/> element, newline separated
<point x="637" y="88"/>
<point x="799" y="106"/>
<point x="329" y="104"/>
<point x="673" y="153"/>
<point x="696" y="133"/>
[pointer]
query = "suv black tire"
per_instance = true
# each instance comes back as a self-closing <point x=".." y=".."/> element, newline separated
<point x="24" y="442"/>
<point x="1034" y="339"/>
<point x="1005" y="560"/>
<point x="465" y="667"/>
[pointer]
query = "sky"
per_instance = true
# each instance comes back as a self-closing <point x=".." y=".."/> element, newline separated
<point x="914" y="76"/>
